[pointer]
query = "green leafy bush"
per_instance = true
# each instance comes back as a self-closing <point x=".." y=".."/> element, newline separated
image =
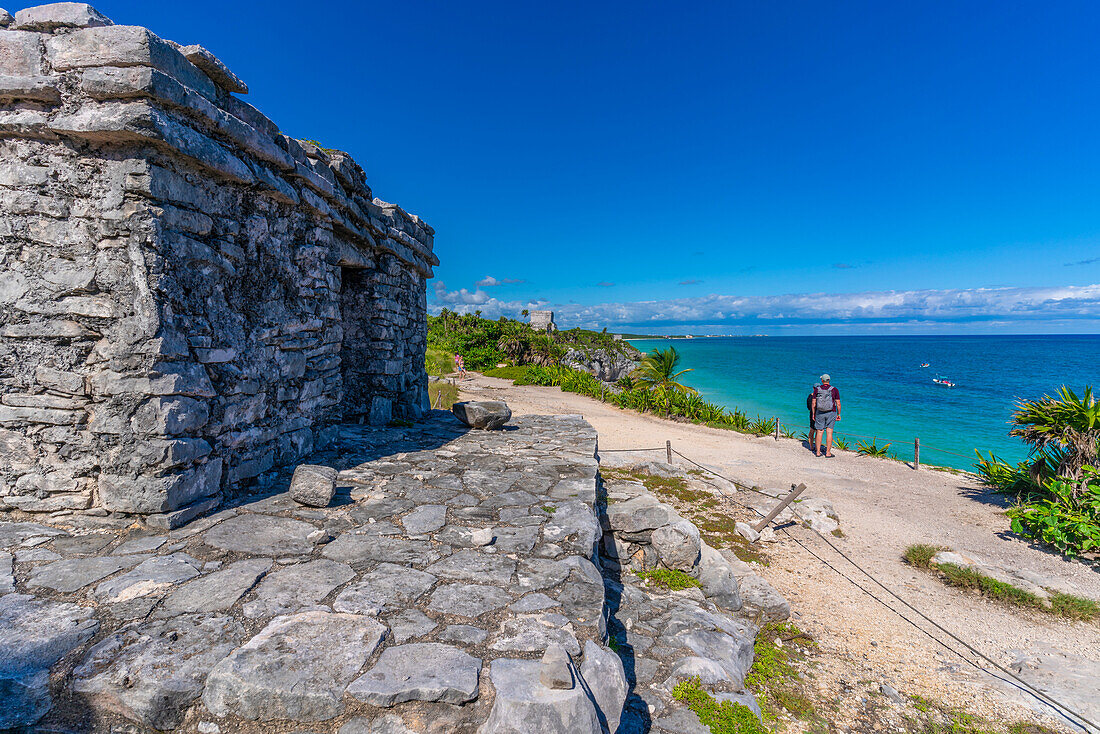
<point x="721" y="718"/>
<point x="1065" y="517"/>
<point x="669" y="578"/>
<point x="871" y="448"/>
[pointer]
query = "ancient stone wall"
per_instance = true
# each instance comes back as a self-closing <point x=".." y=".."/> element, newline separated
<point x="189" y="297"/>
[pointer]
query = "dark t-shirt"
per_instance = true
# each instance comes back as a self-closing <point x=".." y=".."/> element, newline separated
<point x="813" y="395"/>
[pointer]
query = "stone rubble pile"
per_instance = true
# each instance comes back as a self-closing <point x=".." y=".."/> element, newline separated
<point x="452" y="584"/>
<point x="190" y="298"/>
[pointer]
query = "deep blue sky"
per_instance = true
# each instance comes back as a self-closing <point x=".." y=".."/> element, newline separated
<point x="692" y="154"/>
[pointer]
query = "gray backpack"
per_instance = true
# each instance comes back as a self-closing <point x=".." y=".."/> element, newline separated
<point x="823" y="396"/>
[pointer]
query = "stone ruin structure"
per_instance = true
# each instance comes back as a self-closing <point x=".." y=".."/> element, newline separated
<point x="543" y="321"/>
<point x="189" y="296"/>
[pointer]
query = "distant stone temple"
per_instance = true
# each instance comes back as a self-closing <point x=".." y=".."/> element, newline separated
<point x="543" y="321"/>
<point x="189" y="297"/>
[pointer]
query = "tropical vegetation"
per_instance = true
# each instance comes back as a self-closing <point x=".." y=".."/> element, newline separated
<point x="1057" y="488"/>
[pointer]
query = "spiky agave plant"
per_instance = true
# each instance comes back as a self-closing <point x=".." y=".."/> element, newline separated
<point x="1064" y="431"/>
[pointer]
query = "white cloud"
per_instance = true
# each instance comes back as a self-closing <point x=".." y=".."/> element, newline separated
<point x="925" y="306"/>
<point x="489" y="281"/>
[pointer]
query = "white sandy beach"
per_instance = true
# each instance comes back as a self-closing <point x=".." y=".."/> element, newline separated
<point x="884" y="506"/>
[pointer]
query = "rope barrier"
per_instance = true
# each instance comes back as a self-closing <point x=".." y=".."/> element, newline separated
<point x="1060" y="708"/>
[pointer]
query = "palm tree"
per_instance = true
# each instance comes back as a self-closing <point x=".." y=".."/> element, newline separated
<point x="1063" y="430"/>
<point x="658" y="370"/>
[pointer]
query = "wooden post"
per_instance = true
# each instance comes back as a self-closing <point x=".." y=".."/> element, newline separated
<point x="777" y="428"/>
<point x="668" y="451"/>
<point x="916" y="452"/>
<point x="795" y="492"/>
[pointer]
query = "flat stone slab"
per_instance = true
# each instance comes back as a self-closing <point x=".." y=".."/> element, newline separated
<point x="474" y="565"/>
<point x="467" y="600"/>
<point x="360" y="549"/>
<point x="14" y="533"/>
<point x="292" y="588"/>
<point x="387" y="587"/>
<point x="425" y="671"/>
<point x="76" y="573"/>
<point x="410" y="624"/>
<point x="217" y="591"/>
<point x="151" y="576"/>
<point x="536" y="632"/>
<point x="34" y="635"/>
<point x="296" y="668"/>
<point x="151" y="672"/>
<point x="425" y="519"/>
<point x="263" y="535"/>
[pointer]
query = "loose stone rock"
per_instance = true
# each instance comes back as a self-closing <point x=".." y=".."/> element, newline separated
<point x="677" y="545"/>
<point x="426" y="671"/>
<point x="313" y="485"/>
<point x="151" y="672"/>
<point x="297" y="668"/>
<point x="490" y="415"/>
<point x="556" y="669"/>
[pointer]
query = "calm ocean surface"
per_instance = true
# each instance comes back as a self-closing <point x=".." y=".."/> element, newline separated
<point x="885" y="392"/>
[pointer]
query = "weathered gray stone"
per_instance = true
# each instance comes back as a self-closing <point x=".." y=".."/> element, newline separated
<point x="7" y="573"/>
<point x="359" y="549"/>
<point x="146" y="544"/>
<point x="313" y="485"/>
<point x="152" y="576"/>
<point x="14" y="533"/>
<point x="534" y="603"/>
<point x="302" y="585"/>
<point x="387" y="587"/>
<point x="410" y="624"/>
<point x="467" y="600"/>
<point x="151" y="672"/>
<point x="677" y="545"/>
<point x="33" y="636"/>
<point x="475" y="566"/>
<point x="638" y="515"/>
<point x="218" y="72"/>
<point x="490" y="415"/>
<point x="733" y="653"/>
<point x="217" y="591"/>
<point x="534" y="633"/>
<point x="717" y="579"/>
<point x="602" y="671"/>
<point x="746" y="531"/>
<point x="59" y="15"/>
<point x="262" y="535"/>
<point x="556" y="669"/>
<point x="76" y="573"/>
<point x="760" y="600"/>
<point x="425" y="519"/>
<point x="463" y="634"/>
<point x="384" y="724"/>
<point x="297" y="668"/>
<point x="817" y="514"/>
<point x="425" y="671"/>
<point x="573" y="526"/>
<point x="537" y="573"/>
<point x="524" y="704"/>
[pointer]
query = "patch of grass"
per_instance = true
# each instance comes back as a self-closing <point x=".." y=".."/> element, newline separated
<point x="442" y="395"/>
<point x="669" y="578"/>
<point x="1074" y="607"/>
<point x="773" y="677"/>
<point x="721" y="718"/>
<point x="838" y="533"/>
<point x="439" y="362"/>
<point x="938" y="718"/>
<point x="921" y="554"/>
<point x="968" y="578"/>
<point x="746" y="551"/>
<point x="1067" y="606"/>
<point x="511" y="372"/>
<point x="549" y="508"/>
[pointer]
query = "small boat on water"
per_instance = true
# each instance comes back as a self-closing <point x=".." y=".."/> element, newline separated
<point x="945" y="383"/>
<point x="924" y="364"/>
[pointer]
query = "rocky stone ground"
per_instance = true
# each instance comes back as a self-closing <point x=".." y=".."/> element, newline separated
<point x="452" y="585"/>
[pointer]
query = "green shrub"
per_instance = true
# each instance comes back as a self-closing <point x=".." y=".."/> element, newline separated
<point x="511" y="372"/>
<point x="921" y="554"/>
<point x="1065" y="517"/>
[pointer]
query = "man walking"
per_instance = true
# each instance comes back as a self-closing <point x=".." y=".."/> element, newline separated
<point x="826" y="412"/>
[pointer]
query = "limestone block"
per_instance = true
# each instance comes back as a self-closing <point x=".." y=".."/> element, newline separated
<point x="123" y="45"/>
<point x="603" y="671"/>
<point x="717" y="579"/>
<point x="313" y="485"/>
<point x="426" y="671"/>
<point x="60" y="381"/>
<point x="52" y="16"/>
<point x="170" y="416"/>
<point x="20" y="54"/>
<point x="33" y="88"/>
<point x="218" y="72"/>
<point x="677" y="545"/>
<point x="485" y="414"/>
<point x="160" y="494"/>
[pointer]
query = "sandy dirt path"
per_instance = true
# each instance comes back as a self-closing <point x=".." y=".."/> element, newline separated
<point x="884" y="506"/>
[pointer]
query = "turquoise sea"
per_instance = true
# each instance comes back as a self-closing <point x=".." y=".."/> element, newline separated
<point x="884" y="391"/>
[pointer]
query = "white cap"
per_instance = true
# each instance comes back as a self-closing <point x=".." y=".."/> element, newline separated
<point x="825" y="377"/>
